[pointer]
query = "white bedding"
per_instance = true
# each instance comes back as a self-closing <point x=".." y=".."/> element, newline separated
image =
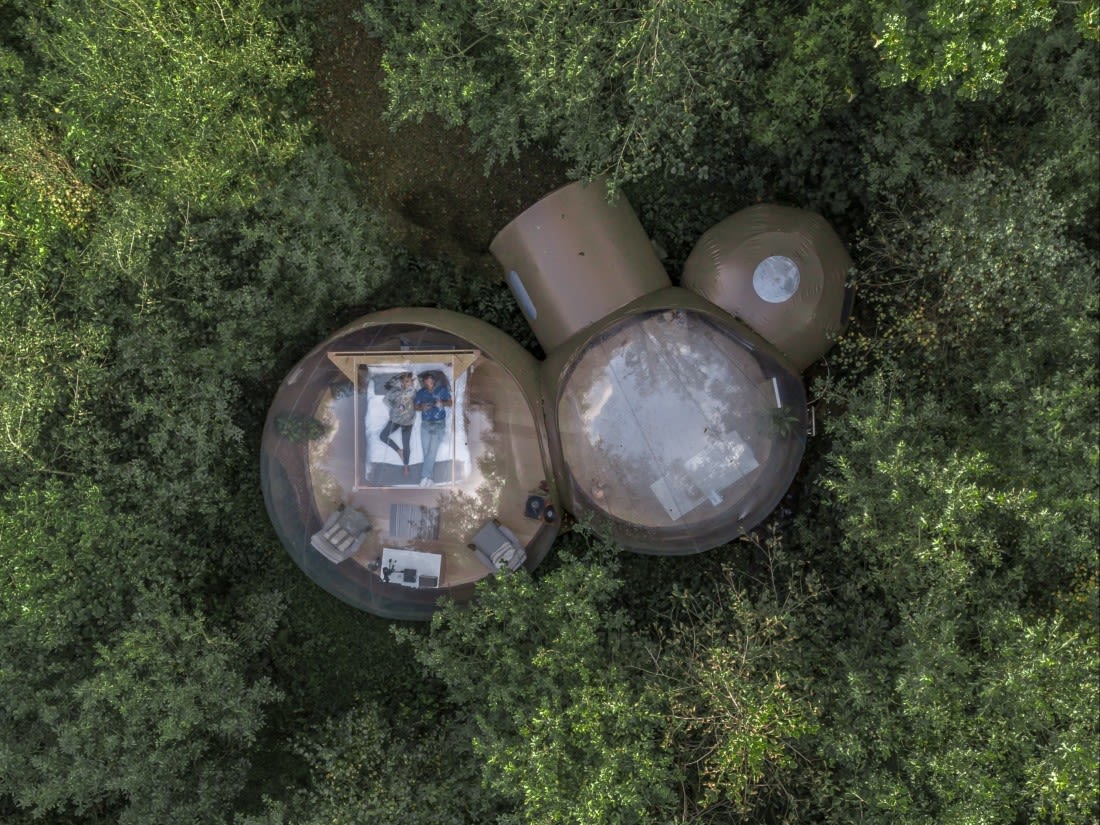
<point x="377" y="415"/>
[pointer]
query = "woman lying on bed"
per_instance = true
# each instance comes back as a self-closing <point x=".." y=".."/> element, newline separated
<point x="400" y="392"/>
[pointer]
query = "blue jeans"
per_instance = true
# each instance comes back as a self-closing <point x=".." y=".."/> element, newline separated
<point x="431" y="436"/>
<point x="406" y="435"/>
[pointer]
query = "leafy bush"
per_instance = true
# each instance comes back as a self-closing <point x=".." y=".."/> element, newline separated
<point x="172" y="99"/>
<point x="937" y="46"/>
<point x="962" y="487"/>
<point x="174" y="246"/>
<point x="563" y="726"/>
<point x="733" y="723"/>
<point x="623" y="90"/>
<point x="372" y="766"/>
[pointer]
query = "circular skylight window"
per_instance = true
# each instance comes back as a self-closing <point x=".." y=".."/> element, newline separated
<point x="776" y="279"/>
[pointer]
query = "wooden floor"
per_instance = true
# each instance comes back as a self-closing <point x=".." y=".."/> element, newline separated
<point x="506" y="461"/>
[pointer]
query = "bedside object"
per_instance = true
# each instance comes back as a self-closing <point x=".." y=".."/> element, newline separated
<point x="535" y="506"/>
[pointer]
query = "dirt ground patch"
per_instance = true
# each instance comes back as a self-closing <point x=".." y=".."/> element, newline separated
<point x="421" y="176"/>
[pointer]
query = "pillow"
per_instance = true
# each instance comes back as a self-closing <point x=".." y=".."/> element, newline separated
<point x="379" y="379"/>
<point x="441" y="379"/>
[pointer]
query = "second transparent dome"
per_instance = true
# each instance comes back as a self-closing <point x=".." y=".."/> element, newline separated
<point x="679" y="430"/>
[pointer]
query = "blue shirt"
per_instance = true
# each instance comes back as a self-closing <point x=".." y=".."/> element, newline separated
<point x="426" y="396"/>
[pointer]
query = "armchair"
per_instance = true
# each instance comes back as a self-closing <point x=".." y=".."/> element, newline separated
<point x="342" y="535"/>
<point x="498" y="547"/>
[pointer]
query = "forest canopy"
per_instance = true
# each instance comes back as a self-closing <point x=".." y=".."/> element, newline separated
<point x="912" y="638"/>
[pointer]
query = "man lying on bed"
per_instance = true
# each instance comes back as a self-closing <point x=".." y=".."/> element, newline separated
<point x="431" y="401"/>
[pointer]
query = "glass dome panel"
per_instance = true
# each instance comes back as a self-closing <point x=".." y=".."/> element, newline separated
<point x="679" y="431"/>
<point x="383" y="514"/>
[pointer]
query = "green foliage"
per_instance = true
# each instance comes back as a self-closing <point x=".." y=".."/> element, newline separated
<point x="1088" y="19"/>
<point x="201" y="311"/>
<point x="942" y="707"/>
<point x="164" y="714"/>
<point x="383" y="767"/>
<point x="967" y="276"/>
<point x="1056" y="112"/>
<point x="183" y="101"/>
<point x="564" y="728"/>
<point x="160" y="258"/>
<point x="154" y="394"/>
<point x="732" y="721"/>
<point x="439" y="283"/>
<point x="947" y="43"/>
<point x="42" y="196"/>
<point x="963" y="491"/>
<point x="748" y="101"/>
<point x="812" y="71"/>
<point x="58" y="577"/>
<point x="45" y="362"/>
<point x="623" y="90"/>
<point x="114" y="696"/>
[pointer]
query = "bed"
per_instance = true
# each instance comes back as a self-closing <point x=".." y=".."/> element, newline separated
<point x="379" y="464"/>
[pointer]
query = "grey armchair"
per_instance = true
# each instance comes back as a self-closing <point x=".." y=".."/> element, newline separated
<point x="342" y="535"/>
<point x="498" y="547"/>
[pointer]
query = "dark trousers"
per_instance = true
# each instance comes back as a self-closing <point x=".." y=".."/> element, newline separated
<point x="406" y="434"/>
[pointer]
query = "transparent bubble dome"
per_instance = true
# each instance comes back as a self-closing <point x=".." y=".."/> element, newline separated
<point x="393" y="457"/>
<point x="679" y="431"/>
